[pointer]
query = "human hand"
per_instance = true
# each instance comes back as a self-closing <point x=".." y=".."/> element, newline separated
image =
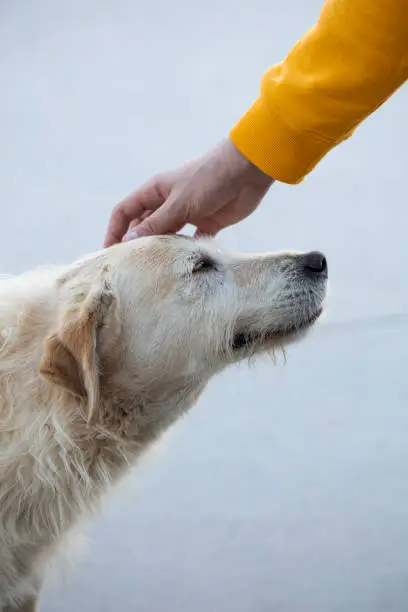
<point x="211" y="192"/>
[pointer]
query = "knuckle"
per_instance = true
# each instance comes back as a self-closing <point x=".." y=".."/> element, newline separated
<point x="156" y="181"/>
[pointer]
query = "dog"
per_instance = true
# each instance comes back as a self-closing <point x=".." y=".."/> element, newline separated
<point x="100" y="357"/>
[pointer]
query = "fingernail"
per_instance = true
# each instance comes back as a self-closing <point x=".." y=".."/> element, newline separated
<point x="131" y="235"/>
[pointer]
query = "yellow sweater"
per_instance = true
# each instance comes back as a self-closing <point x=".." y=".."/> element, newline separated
<point x="343" y="69"/>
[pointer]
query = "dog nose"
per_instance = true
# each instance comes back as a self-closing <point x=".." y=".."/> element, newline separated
<point x="315" y="263"/>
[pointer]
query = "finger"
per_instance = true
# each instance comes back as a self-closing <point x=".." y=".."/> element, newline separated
<point x="138" y="220"/>
<point x="167" y="219"/>
<point x="133" y="207"/>
<point x="207" y="227"/>
<point x="118" y="224"/>
<point x="134" y="223"/>
<point x="199" y="233"/>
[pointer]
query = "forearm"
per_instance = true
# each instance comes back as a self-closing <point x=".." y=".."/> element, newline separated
<point x="340" y="71"/>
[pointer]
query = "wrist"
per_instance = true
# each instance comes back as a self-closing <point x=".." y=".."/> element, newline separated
<point x="247" y="168"/>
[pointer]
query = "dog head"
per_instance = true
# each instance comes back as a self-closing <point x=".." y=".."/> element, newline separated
<point x="152" y="320"/>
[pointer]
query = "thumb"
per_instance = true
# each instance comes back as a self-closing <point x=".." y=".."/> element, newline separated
<point x="207" y="228"/>
<point x="168" y="218"/>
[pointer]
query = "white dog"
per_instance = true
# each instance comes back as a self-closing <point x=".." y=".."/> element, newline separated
<point x="99" y="357"/>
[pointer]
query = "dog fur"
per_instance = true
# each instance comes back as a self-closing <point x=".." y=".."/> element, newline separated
<point x="99" y="357"/>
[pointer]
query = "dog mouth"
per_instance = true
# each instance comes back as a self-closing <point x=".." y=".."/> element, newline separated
<point x="252" y="339"/>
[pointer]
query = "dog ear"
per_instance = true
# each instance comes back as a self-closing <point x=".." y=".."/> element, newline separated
<point x="70" y="356"/>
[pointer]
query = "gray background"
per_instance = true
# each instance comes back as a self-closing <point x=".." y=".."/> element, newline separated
<point x="286" y="489"/>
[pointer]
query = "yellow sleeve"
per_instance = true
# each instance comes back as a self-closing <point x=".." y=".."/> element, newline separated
<point x="339" y="72"/>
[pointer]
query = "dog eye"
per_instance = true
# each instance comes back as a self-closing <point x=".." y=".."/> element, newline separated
<point x="205" y="264"/>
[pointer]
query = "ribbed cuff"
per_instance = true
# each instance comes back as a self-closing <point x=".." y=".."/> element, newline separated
<point x="275" y="148"/>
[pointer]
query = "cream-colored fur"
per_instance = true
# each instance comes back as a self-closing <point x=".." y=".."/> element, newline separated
<point x="99" y="357"/>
